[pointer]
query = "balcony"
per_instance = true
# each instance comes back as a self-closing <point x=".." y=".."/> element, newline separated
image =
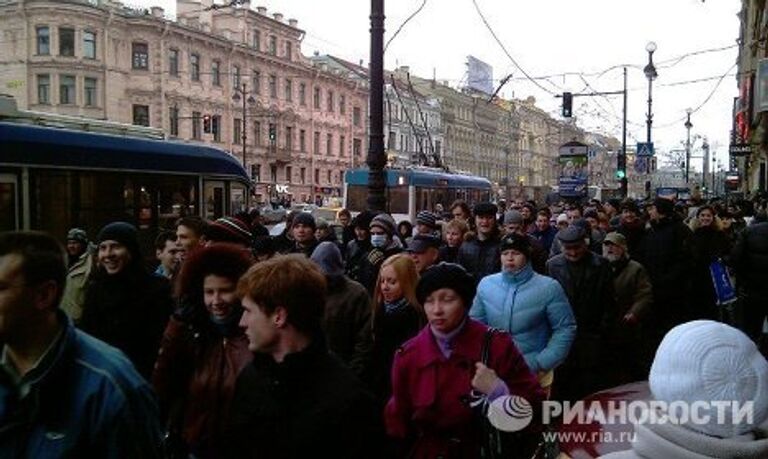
<point x="278" y="155"/>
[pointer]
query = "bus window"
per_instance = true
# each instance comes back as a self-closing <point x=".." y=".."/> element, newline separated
<point x="9" y="213"/>
<point x="214" y="200"/>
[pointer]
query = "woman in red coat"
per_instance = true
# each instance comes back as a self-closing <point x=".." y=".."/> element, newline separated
<point x="434" y="373"/>
<point x="202" y="351"/>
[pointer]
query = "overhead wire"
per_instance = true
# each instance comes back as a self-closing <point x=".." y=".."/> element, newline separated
<point x="407" y="20"/>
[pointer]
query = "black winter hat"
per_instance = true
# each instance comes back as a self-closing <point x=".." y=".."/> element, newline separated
<point x="664" y="206"/>
<point x="304" y="218"/>
<point x="447" y="275"/>
<point x="363" y="220"/>
<point x="124" y="233"/>
<point x="485" y="208"/>
<point x="518" y="242"/>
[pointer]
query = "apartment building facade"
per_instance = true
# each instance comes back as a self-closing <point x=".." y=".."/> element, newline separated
<point x="236" y="72"/>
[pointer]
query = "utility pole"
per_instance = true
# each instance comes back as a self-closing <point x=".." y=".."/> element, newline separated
<point x="376" y="158"/>
<point x="623" y="157"/>
<point x="688" y="127"/>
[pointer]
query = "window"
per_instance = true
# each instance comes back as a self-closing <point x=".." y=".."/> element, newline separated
<point x="357" y="147"/>
<point x="173" y="120"/>
<point x="141" y="115"/>
<point x="257" y="133"/>
<point x="316" y="99"/>
<point x="66" y="41"/>
<point x="438" y="147"/>
<point x="356" y="116"/>
<point x="140" y="52"/>
<point x="302" y="140"/>
<point x="317" y="176"/>
<point x="288" y="90"/>
<point x="329" y="144"/>
<point x="196" y="116"/>
<point x="256" y="43"/>
<point x="316" y="143"/>
<point x="216" y="73"/>
<point x="237" y="131"/>
<point x="391" y="140"/>
<point x="44" y="89"/>
<point x="288" y="173"/>
<point x="273" y="45"/>
<point x="194" y="67"/>
<point x="273" y="173"/>
<point x="272" y="133"/>
<point x="343" y="104"/>
<point x="341" y="145"/>
<point x="288" y="138"/>
<point x="235" y="76"/>
<point x="329" y="101"/>
<point x="303" y="175"/>
<point x="216" y="127"/>
<point x="288" y="50"/>
<point x="273" y="86"/>
<point x="89" y="44"/>
<point x="89" y="91"/>
<point x="43" y="40"/>
<point x="328" y="176"/>
<point x="256" y="82"/>
<point x="302" y="94"/>
<point x="173" y="62"/>
<point x="256" y="172"/>
<point x="66" y="89"/>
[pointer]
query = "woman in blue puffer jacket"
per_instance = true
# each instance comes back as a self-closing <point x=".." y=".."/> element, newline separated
<point x="531" y="307"/>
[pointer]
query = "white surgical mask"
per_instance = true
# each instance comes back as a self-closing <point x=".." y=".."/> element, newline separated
<point x="378" y="240"/>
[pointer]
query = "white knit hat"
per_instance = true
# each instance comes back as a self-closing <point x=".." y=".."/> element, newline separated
<point x="710" y="361"/>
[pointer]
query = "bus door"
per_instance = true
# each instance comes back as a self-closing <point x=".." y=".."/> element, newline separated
<point x="9" y="203"/>
<point x="213" y="200"/>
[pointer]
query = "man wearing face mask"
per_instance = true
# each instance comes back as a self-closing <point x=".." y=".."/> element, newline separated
<point x="531" y="307"/>
<point x="383" y="245"/>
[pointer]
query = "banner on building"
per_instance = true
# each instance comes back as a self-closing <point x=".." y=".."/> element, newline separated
<point x="574" y="170"/>
<point x="479" y="75"/>
<point x="761" y="94"/>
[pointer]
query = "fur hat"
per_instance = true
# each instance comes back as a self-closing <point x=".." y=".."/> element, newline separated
<point x="485" y="208"/>
<point x="447" y="275"/>
<point x="518" y="242"/>
<point x="706" y="361"/>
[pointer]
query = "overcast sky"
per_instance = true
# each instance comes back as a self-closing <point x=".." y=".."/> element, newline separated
<point x="554" y="37"/>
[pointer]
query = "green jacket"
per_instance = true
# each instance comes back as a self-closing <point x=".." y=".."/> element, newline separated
<point x="77" y="280"/>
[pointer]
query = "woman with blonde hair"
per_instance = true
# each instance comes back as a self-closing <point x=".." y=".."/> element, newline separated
<point x="397" y="317"/>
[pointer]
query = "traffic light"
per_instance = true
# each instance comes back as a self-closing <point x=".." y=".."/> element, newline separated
<point x="272" y="133"/>
<point x="621" y="167"/>
<point x="567" y="104"/>
<point x="207" y="124"/>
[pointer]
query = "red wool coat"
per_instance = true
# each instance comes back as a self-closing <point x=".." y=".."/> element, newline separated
<point x="428" y="410"/>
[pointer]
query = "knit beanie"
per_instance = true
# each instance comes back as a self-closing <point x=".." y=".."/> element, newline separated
<point x="304" y="218"/>
<point x="710" y="361"/>
<point x="664" y="206"/>
<point x="328" y="257"/>
<point x="427" y="219"/>
<point x="227" y="229"/>
<point x="385" y="222"/>
<point x="518" y="242"/>
<point x="513" y="216"/>
<point x="124" y="233"/>
<point x="447" y="275"/>
<point x="78" y="235"/>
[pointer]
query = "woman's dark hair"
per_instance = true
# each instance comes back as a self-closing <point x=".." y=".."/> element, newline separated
<point x="225" y="260"/>
<point x="408" y="228"/>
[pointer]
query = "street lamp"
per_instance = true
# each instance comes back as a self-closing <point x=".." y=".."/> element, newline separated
<point x="249" y="100"/>
<point x="688" y="126"/>
<point x="650" y="73"/>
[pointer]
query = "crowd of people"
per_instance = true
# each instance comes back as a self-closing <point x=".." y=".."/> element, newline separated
<point x="376" y="341"/>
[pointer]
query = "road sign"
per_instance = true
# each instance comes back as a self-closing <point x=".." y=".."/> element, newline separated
<point x="641" y="165"/>
<point x="645" y="149"/>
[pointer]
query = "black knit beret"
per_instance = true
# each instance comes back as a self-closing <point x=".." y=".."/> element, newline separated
<point x="447" y="275"/>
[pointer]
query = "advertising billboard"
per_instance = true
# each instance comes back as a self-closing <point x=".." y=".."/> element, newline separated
<point x="479" y="75"/>
<point x="574" y="170"/>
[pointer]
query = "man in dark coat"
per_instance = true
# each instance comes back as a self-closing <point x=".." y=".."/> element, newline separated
<point x="126" y="306"/>
<point x="347" y="318"/>
<point x="750" y="261"/>
<point x="296" y="399"/>
<point x="632" y="227"/>
<point x="587" y="279"/>
<point x="480" y="256"/>
<point x="303" y="231"/>
<point x="665" y="252"/>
